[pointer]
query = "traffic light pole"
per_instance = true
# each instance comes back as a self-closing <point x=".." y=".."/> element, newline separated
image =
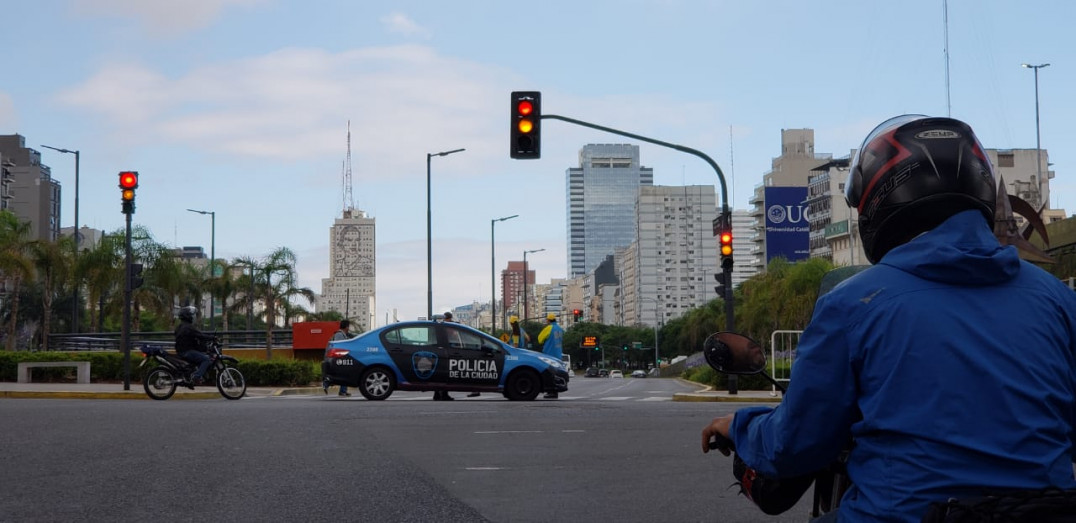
<point x="125" y="337"/>
<point x="729" y="308"/>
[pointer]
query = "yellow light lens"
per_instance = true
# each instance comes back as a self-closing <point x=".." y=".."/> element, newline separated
<point x="128" y="195"/>
<point x="526" y="126"/>
<point x="726" y="250"/>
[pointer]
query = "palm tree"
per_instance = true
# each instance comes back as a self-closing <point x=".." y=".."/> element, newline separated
<point x="101" y="270"/>
<point x="15" y="264"/>
<point x="223" y="288"/>
<point x="54" y="262"/>
<point x="279" y="264"/>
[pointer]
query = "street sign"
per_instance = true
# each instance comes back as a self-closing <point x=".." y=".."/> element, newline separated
<point x="589" y="342"/>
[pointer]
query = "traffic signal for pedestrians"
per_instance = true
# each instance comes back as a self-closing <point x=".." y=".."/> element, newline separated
<point x="136" y="275"/>
<point x="722" y="285"/>
<point x="526" y="130"/>
<point x="128" y="184"/>
<point x="577" y="314"/>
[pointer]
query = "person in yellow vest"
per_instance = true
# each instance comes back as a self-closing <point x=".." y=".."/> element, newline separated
<point x="516" y="336"/>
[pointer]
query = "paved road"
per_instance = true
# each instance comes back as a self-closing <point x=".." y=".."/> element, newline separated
<point x="607" y="454"/>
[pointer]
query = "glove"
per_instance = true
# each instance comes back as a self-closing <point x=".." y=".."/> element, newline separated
<point x="772" y="495"/>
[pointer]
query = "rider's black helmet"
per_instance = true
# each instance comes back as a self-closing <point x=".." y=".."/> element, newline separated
<point x="914" y="172"/>
<point x="187" y="313"/>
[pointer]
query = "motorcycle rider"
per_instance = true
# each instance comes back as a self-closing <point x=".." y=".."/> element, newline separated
<point x="189" y="343"/>
<point x="951" y="363"/>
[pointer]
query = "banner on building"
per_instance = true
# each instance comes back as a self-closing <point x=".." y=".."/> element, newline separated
<point x="787" y="228"/>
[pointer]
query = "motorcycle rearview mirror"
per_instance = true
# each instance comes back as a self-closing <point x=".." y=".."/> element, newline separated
<point x="732" y="353"/>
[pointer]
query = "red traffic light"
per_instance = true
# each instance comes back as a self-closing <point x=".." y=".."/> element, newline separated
<point x="129" y="180"/>
<point x="725" y="239"/>
<point x="525" y="133"/>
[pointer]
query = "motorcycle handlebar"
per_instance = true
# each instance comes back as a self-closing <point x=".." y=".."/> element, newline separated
<point x="721" y="443"/>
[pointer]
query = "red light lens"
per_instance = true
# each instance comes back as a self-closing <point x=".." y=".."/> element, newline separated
<point x="128" y="180"/>
<point x="726" y="238"/>
<point x="525" y="107"/>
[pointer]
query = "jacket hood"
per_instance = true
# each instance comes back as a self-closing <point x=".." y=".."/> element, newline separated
<point x="960" y="251"/>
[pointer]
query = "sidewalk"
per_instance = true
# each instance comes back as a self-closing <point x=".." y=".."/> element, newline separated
<point x="742" y="396"/>
<point x="9" y="389"/>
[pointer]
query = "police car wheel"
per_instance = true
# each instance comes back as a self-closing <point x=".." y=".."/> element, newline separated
<point x="376" y="383"/>
<point x="523" y="385"/>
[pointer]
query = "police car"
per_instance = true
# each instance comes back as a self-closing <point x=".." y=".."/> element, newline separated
<point x="432" y="356"/>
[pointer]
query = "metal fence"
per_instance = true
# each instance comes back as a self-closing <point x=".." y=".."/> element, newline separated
<point x="110" y="341"/>
<point x="782" y="354"/>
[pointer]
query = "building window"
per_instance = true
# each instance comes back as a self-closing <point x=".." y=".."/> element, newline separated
<point x="1006" y="160"/>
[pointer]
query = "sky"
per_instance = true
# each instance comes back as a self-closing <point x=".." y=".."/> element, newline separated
<point x="241" y="107"/>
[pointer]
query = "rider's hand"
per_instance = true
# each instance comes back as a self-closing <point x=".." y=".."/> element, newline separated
<point x="720" y="427"/>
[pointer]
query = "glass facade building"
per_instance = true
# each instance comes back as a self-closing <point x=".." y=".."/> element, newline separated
<point x="602" y="193"/>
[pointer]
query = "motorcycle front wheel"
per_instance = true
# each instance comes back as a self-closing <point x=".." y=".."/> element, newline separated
<point x="231" y="384"/>
<point x="160" y="383"/>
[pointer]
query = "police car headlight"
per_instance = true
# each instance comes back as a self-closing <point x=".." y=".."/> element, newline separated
<point x="552" y="362"/>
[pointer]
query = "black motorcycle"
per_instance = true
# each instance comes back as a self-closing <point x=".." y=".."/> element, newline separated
<point x="168" y="371"/>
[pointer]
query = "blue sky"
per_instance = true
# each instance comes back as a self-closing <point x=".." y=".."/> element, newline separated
<point x="241" y="107"/>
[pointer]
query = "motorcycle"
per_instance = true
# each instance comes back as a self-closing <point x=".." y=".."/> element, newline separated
<point x="169" y="371"/>
<point x="732" y="353"/>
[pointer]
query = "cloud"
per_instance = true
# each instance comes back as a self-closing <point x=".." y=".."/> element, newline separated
<point x="400" y="23"/>
<point x="168" y="18"/>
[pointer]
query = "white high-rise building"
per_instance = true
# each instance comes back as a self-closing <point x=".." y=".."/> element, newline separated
<point x="350" y="287"/>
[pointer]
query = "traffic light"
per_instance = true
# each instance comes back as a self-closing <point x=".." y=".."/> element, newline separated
<point x="577" y="314"/>
<point x="526" y="125"/>
<point x="136" y="275"/>
<point x="724" y="242"/>
<point x="625" y="347"/>
<point x="128" y="184"/>
<point x="722" y="285"/>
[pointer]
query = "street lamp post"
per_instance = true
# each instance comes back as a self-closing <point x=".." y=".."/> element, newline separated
<point x="525" y="253"/>
<point x="212" y="256"/>
<point x="493" y="273"/>
<point x="657" y="322"/>
<point x="1038" y="145"/>
<point x="78" y="236"/>
<point x="429" y="234"/>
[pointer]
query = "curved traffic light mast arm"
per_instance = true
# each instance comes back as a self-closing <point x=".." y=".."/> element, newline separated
<point x="681" y="148"/>
<point x="729" y="308"/>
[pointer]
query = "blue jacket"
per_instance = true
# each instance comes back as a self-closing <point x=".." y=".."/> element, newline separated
<point x="552" y="340"/>
<point x="951" y="364"/>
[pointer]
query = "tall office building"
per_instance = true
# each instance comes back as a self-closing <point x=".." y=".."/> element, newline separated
<point x="350" y="287"/>
<point x="677" y="253"/>
<point x="601" y="198"/>
<point x="32" y="194"/>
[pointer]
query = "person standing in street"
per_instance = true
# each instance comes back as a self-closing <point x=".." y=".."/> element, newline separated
<point x="343" y="333"/>
<point x="442" y="395"/>
<point x="552" y="340"/>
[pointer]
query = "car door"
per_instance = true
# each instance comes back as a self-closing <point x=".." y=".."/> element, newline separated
<point x="473" y="361"/>
<point x="415" y="352"/>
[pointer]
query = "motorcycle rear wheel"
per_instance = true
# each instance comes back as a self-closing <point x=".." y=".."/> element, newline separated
<point x="231" y="384"/>
<point x="160" y="383"/>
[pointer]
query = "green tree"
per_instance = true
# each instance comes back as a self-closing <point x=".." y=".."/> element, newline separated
<point x="16" y="265"/>
<point x="54" y="264"/>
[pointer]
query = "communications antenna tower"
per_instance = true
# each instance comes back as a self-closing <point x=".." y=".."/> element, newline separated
<point x="349" y="201"/>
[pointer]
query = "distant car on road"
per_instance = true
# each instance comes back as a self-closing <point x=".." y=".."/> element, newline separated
<point x="638" y="373"/>
<point x="615" y="373"/>
<point x="591" y="372"/>
<point x="603" y="373"/>
<point x="432" y="355"/>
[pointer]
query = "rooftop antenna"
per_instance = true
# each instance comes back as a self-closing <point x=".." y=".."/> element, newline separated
<point x="945" y="20"/>
<point x="732" y="172"/>
<point x="349" y="201"/>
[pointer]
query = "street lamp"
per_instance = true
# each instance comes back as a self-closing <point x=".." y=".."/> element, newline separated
<point x="429" y="234"/>
<point x="525" y="253"/>
<point x="657" y="322"/>
<point x="493" y="272"/>
<point x="78" y="236"/>
<point x="1038" y="146"/>
<point x="212" y="256"/>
